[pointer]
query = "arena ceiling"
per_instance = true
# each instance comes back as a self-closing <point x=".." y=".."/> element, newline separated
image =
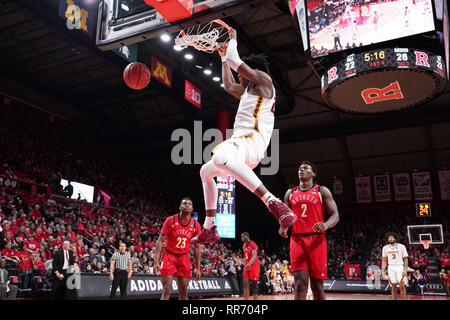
<point x="62" y="71"/>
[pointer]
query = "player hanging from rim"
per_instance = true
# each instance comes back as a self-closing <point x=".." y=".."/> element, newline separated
<point x="253" y="126"/>
<point x="175" y="236"/>
<point x="354" y="28"/>
<point x="308" y="247"/>
<point x="395" y="257"/>
<point x="251" y="268"/>
<point x="426" y="8"/>
<point x="376" y="16"/>
<point x="406" y="17"/>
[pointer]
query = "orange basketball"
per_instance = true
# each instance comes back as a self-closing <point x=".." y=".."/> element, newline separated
<point x="136" y="75"/>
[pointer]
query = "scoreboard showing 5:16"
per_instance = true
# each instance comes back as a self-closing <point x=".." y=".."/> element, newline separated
<point x="225" y="214"/>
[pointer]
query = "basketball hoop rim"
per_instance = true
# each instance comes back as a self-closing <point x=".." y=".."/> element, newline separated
<point x="218" y="21"/>
<point x="426" y="244"/>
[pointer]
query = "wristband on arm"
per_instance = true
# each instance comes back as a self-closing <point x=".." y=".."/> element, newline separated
<point x="232" y="56"/>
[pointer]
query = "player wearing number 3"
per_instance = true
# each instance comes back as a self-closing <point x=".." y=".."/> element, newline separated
<point x="308" y="248"/>
<point x="396" y="257"/>
<point x="176" y="233"/>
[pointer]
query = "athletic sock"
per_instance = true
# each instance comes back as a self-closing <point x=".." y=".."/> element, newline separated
<point x="209" y="222"/>
<point x="267" y="197"/>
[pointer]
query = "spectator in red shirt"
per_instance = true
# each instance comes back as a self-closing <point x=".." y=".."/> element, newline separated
<point x="37" y="264"/>
<point x="80" y="248"/>
<point x="14" y="226"/>
<point x="36" y="213"/>
<point x="149" y="243"/>
<point x="39" y="235"/>
<point x="9" y="255"/>
<point x="58" y="241"/>
<point x="25" y="272"/>
<point x="23" y="253"/>
<point x="445" y="260"/>
<point x="32" y="244"/>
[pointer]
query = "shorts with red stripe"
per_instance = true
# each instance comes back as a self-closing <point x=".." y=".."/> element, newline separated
<point x="251" y="274"/>
<point x="309" y="252"/>
<point x="175" y="265"/>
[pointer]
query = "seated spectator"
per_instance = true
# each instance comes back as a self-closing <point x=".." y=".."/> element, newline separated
<point x="10" y="257"/>
<point x="23" y="253"/>
<point x="84" y="263"/>
<point x="7" y="290"/>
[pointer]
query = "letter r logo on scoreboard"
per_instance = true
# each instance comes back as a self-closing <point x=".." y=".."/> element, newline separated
<point x="332" y="75"/>
<point x="192" y="94"/>
<point x="391" y="92"/>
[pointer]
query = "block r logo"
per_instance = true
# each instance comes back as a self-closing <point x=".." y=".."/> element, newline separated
<point x="391" y="92"/>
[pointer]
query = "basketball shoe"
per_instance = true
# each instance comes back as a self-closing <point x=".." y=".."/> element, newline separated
<point x="206" y="235"/>
<point x="282" y="213"/>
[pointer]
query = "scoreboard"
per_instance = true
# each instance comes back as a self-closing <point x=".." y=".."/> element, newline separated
<point x="383" y="80"/>
<point x="225" y="213"/>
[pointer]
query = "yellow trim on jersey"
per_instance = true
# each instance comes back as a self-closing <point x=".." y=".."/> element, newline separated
<point x="257" y="108"/>
<point x="249" y="135"/>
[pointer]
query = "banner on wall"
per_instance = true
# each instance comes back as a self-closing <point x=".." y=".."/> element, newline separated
<point x="161" y="72"/>
<point x="382" y="188"/>
<point x="402" y="186"/>
<point x="422" y="185"/>
<point x="363" y="190"/>
<point x="444" y="183"/>
<point x="338" y="187"/>
<point x="351" y="269"/>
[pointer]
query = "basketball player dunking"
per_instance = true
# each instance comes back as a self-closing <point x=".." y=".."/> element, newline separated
<point x="253" y="126"/>
<point x="176" y="233"/>
<point x="395" y="256"/>
<point x="308" y="247"/>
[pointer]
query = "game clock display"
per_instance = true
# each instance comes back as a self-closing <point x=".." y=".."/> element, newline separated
<point x="383" y="80"/>
<point x="423" y="210"/>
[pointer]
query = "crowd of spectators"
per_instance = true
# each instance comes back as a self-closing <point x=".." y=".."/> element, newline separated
<point x="34" y="224"/>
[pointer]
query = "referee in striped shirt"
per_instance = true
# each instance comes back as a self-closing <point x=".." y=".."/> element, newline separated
<point x="121" y="271"/>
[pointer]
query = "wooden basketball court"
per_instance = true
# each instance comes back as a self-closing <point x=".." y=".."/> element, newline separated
<point x="337" y="296"/>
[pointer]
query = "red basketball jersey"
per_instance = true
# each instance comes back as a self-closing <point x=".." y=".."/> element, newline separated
<point x="307" y="205"/>
<point x="248" y="248"/>
<point x="178" y="234"/>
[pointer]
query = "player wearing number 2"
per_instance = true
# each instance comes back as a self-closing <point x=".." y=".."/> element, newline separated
<point x="395" y="257"/>
<point x="308" y="248"/>
<point x="176" y="233"/>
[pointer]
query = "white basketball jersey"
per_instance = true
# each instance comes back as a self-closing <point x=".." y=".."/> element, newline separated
<point x="395" y="254"/>
<point x="255" y="113"/>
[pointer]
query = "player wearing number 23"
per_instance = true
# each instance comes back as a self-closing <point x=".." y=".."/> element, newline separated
<point x="308" y="247"/>
<point x="176" y="233"/>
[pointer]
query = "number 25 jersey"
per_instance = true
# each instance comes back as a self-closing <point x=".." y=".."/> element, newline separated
<point x="307" y="205"/>
<point x="179" y="235"/>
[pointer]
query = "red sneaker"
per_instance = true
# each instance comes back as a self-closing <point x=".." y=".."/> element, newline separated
<point x="282" y="213"/>
<point x="206" y="235"/>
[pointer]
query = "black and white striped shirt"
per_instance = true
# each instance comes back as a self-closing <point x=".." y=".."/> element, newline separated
<point x="121" y="260"/>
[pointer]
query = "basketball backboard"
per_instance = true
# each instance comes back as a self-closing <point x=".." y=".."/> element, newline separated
<point x="124" y="22"/>
<point x="431" y="232"/>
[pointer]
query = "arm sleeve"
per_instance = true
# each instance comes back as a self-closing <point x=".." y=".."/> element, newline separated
<point x="232" y="56"/>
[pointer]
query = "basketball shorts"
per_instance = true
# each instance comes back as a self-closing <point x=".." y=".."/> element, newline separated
<point x="251" y="274"/>
<point x="309" y="252"/>
<point x="175" y="265"/>
<point x="250" y="144"/>
<point x="395" y="274"/>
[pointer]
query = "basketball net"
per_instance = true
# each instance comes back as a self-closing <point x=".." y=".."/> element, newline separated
<point x="208" y="37"/>
<point x="426" y="244"/>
